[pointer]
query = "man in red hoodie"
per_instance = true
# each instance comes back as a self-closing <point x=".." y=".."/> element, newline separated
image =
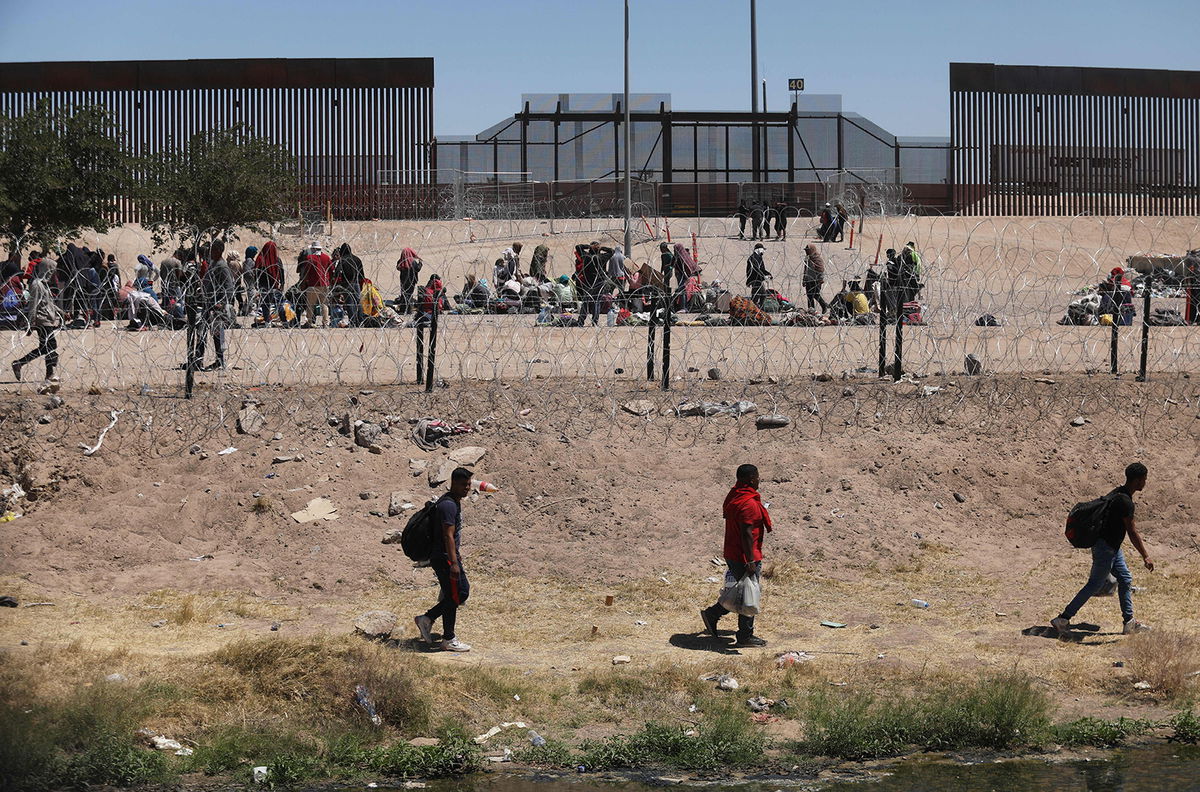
<point x="746" y="520"/>
<point x="318" y="275"/>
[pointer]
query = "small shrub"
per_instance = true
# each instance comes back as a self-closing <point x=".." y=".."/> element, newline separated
<point x="1166" y="660"/>
<point x="261" y="505"/>
<point x="114" y="760"/>
<point x="553" y="754"/>
<point x="725" y="739"/>
<point x="1186" y="727"/>
<point x="226" y="750"/>
<point x="1100" y="733"/>
<point x="290" y="768"/>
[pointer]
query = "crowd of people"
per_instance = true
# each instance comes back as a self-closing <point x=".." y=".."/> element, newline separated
<point x="213" y="287"/>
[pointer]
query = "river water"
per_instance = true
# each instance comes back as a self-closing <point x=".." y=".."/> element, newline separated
<point x="1164" y="768"/>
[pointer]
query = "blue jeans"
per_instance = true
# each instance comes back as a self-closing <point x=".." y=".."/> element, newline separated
<point x="1105" y="560"/>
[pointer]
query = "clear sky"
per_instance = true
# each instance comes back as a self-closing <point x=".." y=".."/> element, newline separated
<point x="888" y="58"/>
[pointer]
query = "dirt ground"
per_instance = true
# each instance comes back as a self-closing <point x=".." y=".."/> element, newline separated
<point x="597" y="501"/>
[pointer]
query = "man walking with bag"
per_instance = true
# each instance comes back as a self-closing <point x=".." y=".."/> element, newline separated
<point x="446" y="561"/>
<point x="1107" y="557"/>
<point x="746" y="520"/>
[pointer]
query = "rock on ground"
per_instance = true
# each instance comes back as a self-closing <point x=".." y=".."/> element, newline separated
<point x="367" y="434"/>
<point x="250" y="421"/>
<point x="467" y="456"/>
<point x="376" y="623"/>
<point x="396" y="504"/>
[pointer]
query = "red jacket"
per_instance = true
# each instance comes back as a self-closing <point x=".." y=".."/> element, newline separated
<point x="743" y="506"/>
<point x="319" y="271"/>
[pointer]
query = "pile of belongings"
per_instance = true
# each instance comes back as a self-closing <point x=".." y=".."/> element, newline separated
<point x="745" y="313"/>
<point x="1166" y="317"/>
<point x="429" y="433"/>
<point x="1084" y="311"/>
<point x="708" y="409"/>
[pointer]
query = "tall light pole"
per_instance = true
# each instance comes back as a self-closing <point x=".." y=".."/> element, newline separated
<point x="754" y="85"/>
<point x="628" y="186"/>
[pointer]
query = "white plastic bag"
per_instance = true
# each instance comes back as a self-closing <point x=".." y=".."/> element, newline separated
<point x="741" y="596"/>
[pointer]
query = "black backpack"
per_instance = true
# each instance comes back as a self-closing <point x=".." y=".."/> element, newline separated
<point x="420" y="533"/>
<point x="1086" y="520"/>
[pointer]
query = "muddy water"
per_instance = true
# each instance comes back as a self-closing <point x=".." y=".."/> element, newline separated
<point x="1157" y="769"/>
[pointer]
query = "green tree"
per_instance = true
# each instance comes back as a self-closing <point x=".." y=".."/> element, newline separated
<point x="61" y="171"/>
<point x="220" y="181"/>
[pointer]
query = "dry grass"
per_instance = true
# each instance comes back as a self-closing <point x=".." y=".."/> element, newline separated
<point x="1169" y="660"/>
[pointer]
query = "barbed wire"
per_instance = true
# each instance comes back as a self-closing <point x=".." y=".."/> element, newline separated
<point x="1023" y="273"/>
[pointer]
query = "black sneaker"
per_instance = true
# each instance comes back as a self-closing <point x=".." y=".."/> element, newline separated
<point x="750" y="641"/>
<point x="710" y="623"/>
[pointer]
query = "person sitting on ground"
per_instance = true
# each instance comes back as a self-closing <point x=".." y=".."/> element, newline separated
<point x="1116" y="297"/>
<point x="475" y="293"/>
<point x="563" y="294"/>
<point x="1107" y="558"/>
<point x="505" y="268"/>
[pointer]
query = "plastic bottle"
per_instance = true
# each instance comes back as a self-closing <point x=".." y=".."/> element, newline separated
<point x="920" y="603"/>
<point x="537" y="739"/>
<point x="544" y="316"/>
<point x="612" y="316"/>
<point x="483" y="486"/>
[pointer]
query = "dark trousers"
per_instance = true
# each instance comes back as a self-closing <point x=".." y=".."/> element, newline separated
<point x="349" y="296"/>
<point x="590" y="303"/>
<point x="47" y="345"/>
<point x="741" y="227"/>
<point x="745" y="623"/>
<point x="812" y="290"/>
<point x="454" y="592"/>
<point x="204" y="326"/>
<point x="756" y="293"/>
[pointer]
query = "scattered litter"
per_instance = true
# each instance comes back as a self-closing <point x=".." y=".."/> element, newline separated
<point x="226" y="451"/>
<point x="792" y="658"/>
<point x="919" y="603"/>
<point x="760" y="703"/>
<point x="833" y="624"/>
<point x="1142" y="685"/>
<point x="771" y="422"/>
<point x="317" y="509"/>
<point x="692" y="708"/>
<point x="1078" y="420"/>
<point x="504" y="757"/>
<point x="516" y="697"/>
<point x="536" y="739"/>
<point x="639" y="624"/>
<point x="159" y="623"/>
<point x="929" y="390"/>
<point x="205" y="557"/>
<point x="492" y="732"/>
<point x="9" y="516"/>
<point x="528" y="427"/>
<point x="167" y="744"/>
<point x="429" y="433"/>
<point x="622" y="660"/>
<point x="39" y="604"/>
<point x="1001" y="613"/>
<point x="362" y="697"/>
<point x="763" y="717"/>
<point x="89" y="450"/>
<point x="115" y="678"/>
<point x="724" y="681"/>
<point x="838" y="684"/>
<point x="8" y="602"/>
<point x="639" y="407"/>
<point x="708" y="409"/>
<point x="880" y="656"/>
<point x="260" y="774"/>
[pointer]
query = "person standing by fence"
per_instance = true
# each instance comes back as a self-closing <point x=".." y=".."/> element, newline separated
<point x="757" y="274"/>
<point x="44" y="318"/>
<point x="746" y="522"/>
<point x="814" y="277"/>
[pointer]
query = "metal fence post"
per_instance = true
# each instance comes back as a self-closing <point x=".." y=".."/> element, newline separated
<point x="190" y="362"/>
<point x="1141" y="377"/>
<point x="669" y="300"/>
<point x="1112" y="347"/>
<point x="650" y="340"/>
<point x="433" y="333"/>
<point x="882" y="329"/>
<point x="898" y="357"/>
<point x="420" y="354"/>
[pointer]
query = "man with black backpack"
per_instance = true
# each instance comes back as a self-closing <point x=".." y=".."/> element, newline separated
<point x="444" y="557"/>
<point x="1110" y="522"/>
